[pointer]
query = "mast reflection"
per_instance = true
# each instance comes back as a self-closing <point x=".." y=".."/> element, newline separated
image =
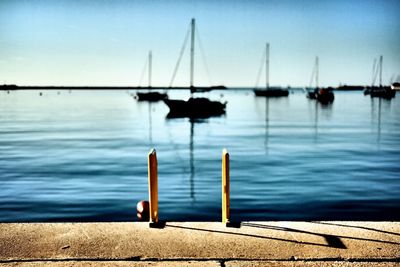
<point x="266" y="125"/>
<point x="191" y="161"/>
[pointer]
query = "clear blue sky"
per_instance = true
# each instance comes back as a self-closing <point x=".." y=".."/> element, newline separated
<point x="49" y="42"/>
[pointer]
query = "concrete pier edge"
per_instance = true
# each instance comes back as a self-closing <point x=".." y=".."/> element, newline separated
<point x="257" y="243"/>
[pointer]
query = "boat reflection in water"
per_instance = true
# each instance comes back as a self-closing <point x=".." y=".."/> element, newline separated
<point x="192" y="169"/>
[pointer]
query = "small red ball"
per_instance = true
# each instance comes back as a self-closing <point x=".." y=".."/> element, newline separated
<point x="142" y="208"/>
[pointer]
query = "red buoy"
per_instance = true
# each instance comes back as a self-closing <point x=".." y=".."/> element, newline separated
<point x="142" y="209"/>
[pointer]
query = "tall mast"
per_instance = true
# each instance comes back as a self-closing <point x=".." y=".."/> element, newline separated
<point x="150" y="59"/>
<point x="316" y="70"/>
<point x="267" y="66"/>
<point x="192" y="53"/>
<point x="373" y="73"/>
<point x="380" y="70"/>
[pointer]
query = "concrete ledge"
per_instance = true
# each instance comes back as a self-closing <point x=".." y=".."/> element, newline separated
<point x="200" y="244"/>
<point x="113" y="263"/>
<point x="308" y="264"/>
<point x="198" y="264"/>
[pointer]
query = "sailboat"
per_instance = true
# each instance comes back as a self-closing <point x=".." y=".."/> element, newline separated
<point x="269" y="91"/>
<point x="379" y="91"/>
<point x="151" y="96"/>
<point x="194" y="107"/>
<point x="323" y="95"/>
<point x="313" y="93"/>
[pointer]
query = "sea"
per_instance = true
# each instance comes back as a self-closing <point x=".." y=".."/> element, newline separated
<point x="81" y="156"/>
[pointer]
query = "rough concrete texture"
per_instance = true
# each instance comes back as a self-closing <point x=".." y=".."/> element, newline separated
<point x="198" y="264"/>
<point x="203" y="243"/>
<point x="308" y="264"/>
<point x="113" y="263"/>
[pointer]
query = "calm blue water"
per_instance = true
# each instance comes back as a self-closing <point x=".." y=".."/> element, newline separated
<point x="82" y="156"/>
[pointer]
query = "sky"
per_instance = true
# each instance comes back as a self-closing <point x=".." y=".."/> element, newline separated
<point x="72" y="42"/>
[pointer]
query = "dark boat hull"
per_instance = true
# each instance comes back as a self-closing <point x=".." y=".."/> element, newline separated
<point x="271" y="92"/>
<point x="387" y="93"/>
<point x="351" y="87"/>
<point x="312" y="95"/>
<point x="376" y="90"/>
<point x="194" y="108"/>
<point x="151" y="96"/>
<point x="325" y="98"/>
<point x="322" y="95"/>
<point x="325" y="95"/>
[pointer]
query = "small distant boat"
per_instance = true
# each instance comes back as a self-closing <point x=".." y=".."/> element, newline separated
<point x="150" y="96"/>
<point x="194" y="107"/>
<point x="375" y="90"/>
<point x="386" y="92"/>
<point x="372" y="90"/>
<point x="269" y="91"/>
<point x="323" y="95"/>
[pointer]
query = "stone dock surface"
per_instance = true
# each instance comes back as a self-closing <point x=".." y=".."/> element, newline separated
<point x="328" y="243"/>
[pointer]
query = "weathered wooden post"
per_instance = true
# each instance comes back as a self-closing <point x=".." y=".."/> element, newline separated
<point x="225" y="187"/>
<point x="153" y="187"/>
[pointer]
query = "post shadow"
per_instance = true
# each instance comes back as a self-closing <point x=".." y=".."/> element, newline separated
<point x="330" y="243"/>
<point x="358" y="227"/>
<point x="279" y="228"/>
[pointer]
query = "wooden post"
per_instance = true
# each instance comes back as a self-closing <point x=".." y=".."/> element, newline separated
<point x="153" y="187"/>
<point x="225" y="187"/>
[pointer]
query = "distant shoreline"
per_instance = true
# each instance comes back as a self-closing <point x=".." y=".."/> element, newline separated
<point x="37" y="87"/>
<point x="10" y="87"/>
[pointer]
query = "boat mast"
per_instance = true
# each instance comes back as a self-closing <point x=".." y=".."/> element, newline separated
<point x="150" y="59"/>
<point x="267" y="66"/>
<point x="316" y="70"/>
<point x="192" y="52"/>
<point x="380" y="70"/>
<point x="373" y="73"/>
